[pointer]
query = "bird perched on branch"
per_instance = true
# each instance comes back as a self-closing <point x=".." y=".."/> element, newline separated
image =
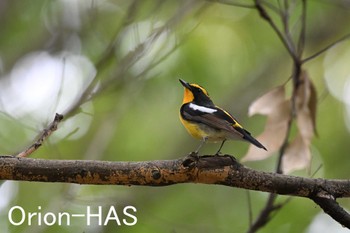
<point x="207" y="122"/>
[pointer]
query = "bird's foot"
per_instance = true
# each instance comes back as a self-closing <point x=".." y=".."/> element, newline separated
<point x="218" y="153"/>
<point x="234" y="160"/>
<point x="191" y="159"/>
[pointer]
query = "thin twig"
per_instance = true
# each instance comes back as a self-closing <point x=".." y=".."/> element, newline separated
<point x="233" y="3"/>
<point x="270" y="206"/>
<point x="346" y="37"/>
<point x="284" y="13"/>
<point x="158" y="59"/>
<point x="317" y="170"/>
<point x="97" y="86"/>
<point x="269" y="5"/>
<point x="43" y="136"/>
<point x="264" y="215"/>
<point x="301" y="40"/>
<point x="250" y="211"/>
<point x="285" y="41"/>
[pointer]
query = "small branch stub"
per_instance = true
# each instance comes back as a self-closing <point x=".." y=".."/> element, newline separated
<point x="42" y="137"/>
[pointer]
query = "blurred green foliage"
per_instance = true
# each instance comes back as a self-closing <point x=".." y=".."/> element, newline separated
<point x="229" y="50"/>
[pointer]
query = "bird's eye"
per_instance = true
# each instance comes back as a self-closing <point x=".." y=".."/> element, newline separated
<point x="199" y="90"/>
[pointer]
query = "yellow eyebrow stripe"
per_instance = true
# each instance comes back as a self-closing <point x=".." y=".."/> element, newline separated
<point x="198" y="86"/>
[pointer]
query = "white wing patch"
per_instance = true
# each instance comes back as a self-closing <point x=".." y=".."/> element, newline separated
<point x="201" y="108"/>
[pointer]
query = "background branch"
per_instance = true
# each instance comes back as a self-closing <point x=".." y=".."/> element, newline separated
<point x="333" y="209"/>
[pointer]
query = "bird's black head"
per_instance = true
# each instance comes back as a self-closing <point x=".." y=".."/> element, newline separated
<point x="196" y="94"/>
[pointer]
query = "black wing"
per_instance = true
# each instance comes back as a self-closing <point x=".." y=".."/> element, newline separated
<point x="218" y="119"/>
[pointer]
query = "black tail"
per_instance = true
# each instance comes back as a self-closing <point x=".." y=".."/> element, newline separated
<point x="248" y="137"/>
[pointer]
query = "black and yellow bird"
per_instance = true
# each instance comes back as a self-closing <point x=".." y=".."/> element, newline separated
<point x="207" y="122"/>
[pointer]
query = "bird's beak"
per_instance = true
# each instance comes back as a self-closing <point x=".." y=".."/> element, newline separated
<point x="185" y="84"/>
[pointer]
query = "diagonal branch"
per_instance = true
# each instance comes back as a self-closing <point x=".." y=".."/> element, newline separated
<point x="345" y="37"/>
<point x="42" y="137"/>
<point x="301" y="40"/>
<point x="287" y="42"/>
<point x="265" y="214"/>
<point x="333" y="209"/>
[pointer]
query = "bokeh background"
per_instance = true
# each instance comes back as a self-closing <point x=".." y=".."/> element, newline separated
<point x="112" y="67"/>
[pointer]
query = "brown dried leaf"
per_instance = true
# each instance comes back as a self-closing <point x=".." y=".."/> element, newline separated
<point x="297" y="155"/>
<point x="267" y="103"/>
<point x="305" y="124"/>
<point x="306" y="102"/>
<point x="273" y="135"/>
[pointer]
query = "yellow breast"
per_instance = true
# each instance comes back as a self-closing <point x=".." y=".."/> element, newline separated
<point x="193" y="129"/>
<point x="200" y="131"/>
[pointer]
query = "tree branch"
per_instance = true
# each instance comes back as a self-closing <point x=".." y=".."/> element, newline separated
<point x="287" y="42"/>
<point x="265" y="214"/>
<point x="224" y="170"/>
<point x="333" y="209"/>
<point x="346" y="37"/>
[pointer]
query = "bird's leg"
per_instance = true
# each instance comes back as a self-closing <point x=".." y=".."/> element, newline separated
<point x="200" y="145"/>
<point x="222" y="144"/>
